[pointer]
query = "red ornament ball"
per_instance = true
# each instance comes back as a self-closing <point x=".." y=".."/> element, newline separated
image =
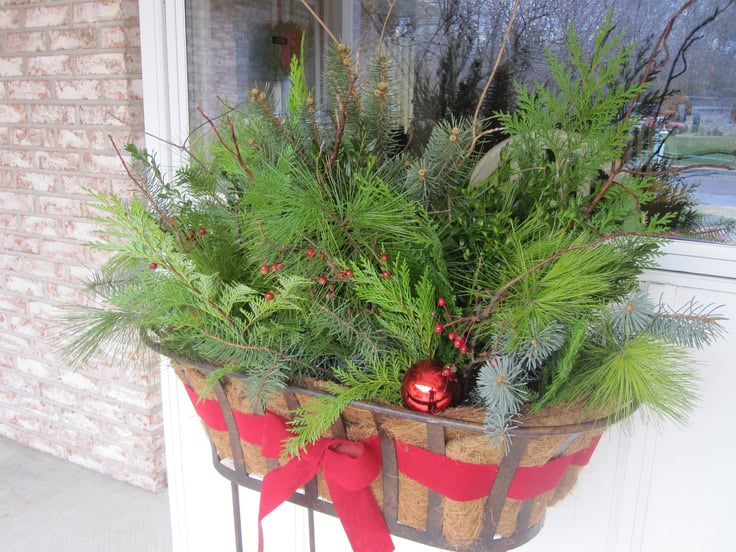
<point x="428" y="387"/>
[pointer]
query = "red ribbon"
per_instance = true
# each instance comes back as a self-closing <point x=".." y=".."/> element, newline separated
<point x="350" y="467"/>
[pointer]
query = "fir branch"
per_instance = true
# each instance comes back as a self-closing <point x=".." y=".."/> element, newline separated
<point x="641" y="372"/>
<point x="313" y="420"/>
<point x="502" y="291"/>
<point x="557" y="373"/>
<point x="693" y="325"/>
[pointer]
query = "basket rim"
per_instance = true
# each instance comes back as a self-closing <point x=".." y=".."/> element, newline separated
<point x="439" y="420"/>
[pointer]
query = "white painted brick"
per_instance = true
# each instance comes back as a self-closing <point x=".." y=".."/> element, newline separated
<point x="59" y="395"/>
<point x="25" y="42"/>
<point x="18" y="159"/>
<point x="104" y="409"/>
<point x="38" y="407"/>
<point x="16" y="201"/>
<point x="101" y="64"/>
<point x="53" y="114"/>
<point x="34" y="266"/>
<point x="46" y="16"/>
<point x="11" y="66"/>
<point x="20" y="243"/>
<point x="9" y="19"/>
<point x="140" y="398"/>
<point x="39" y="137"/>
<point x="81" y="421"/>
<point x="33" y="367"/>
<point x="78" y="89"/>
<point x="151" y="421"/>
<point x="44" y="445"/>
<point x="28" y="90"/>
<point x="79" y="381"/>
<point x="11" y="114"/>
<point x="71" y="138"/>
<point x="21" y="419"/>
<point x="110" y="452"/>
<point x="56" y="205"/>
<point x="72" y="39"/>
<point x="42" y="226"/>
<point x="55" y="161"/>
<point x="7" y="395"/>
<point x="50" y="65"/>
<point x="12" y="303"/>
<point x="30" y="328"/>
<point x="23" y="286"/>
<point x="96" y="12"/>
<point x="12" y="432"/>
<point x="14" y="380"/>
<point x="82" y="458"/>
<point x="14" y="342"/>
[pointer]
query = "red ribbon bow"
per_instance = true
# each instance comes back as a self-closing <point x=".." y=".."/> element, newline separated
<point x="349" y="468"/>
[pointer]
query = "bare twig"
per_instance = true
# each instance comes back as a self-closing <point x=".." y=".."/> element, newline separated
<point x="479" y="105"/>
<point x="320" y="21"/>
<point x="234" y="152"/>
<point x="391" y="5"/>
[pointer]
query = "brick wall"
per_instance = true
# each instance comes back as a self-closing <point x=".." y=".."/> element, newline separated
<point x="70" y="78"/>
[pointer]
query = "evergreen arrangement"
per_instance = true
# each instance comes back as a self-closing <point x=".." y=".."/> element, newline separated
<point x="316" y="243"/>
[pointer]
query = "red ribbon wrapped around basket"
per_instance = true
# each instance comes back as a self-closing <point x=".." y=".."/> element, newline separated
<point x="350" y="467"/>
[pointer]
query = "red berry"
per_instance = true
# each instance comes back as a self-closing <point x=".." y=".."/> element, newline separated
<point x="201" y="231"/>
<point x="465" y="349"/>
<point x="332" y="287"/>
<point x="441" y="302"/>
<point x="439" y="328"/>
<point x="264" y="268"/>
<point x="447" y="372"/>
<point x="348" y="273"/>
<point x="310" y="252"/>
<point x="386" y="274"/>
<point x="451" y="336"/>
<point x="153" y="266"/>
<point x="274" y="267"/>
<point x="459" y="342"/>
<point x="322" y="279"/>
<point x="340" y="275"/>
<point x="268" y="296"/>
<point x="384" y="257"/>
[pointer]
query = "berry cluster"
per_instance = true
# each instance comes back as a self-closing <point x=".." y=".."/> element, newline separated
<point x="458" y="339"/>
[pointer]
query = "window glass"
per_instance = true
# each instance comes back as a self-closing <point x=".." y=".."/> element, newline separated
<point x="443" y="52"/>
<point x="236" y="45"/>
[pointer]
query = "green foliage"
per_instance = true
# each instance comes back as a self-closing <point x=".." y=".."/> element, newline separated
<point x="564" y="136"/>
<point x="381" y="381"/>
<point x="309" y="244"/>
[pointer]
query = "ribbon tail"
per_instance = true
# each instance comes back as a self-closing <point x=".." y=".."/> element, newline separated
<point x="361" y="518"/>
<point x="278" y="486"/>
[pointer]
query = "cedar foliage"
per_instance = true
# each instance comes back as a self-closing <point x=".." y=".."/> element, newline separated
<point x="312" y="245"/>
